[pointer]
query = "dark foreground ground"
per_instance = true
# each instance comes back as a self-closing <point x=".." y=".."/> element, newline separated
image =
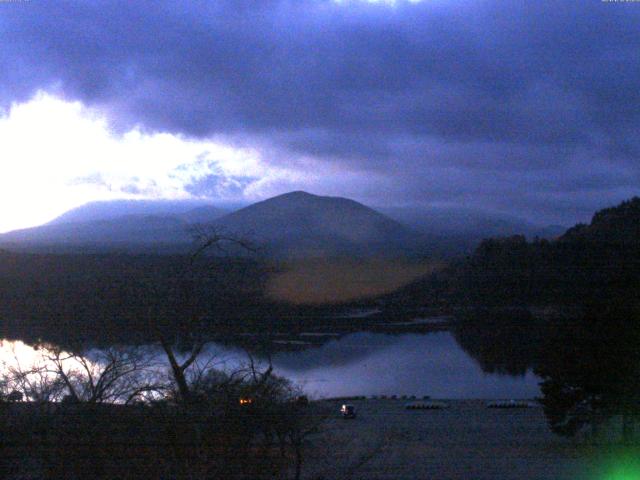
<point x="465" y="441"/>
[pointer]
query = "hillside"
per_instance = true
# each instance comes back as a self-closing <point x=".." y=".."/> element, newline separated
<point x="300" y="224"/>
<point x="292" y="225"/>
<point x="129" y="232"/>
<point x="619" y="224"/>
<point x="113" y="209"/>
<point x="131" y="225"/>
<point x="587" y="263"/>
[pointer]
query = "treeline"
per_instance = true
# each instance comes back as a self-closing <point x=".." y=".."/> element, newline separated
<point x="583" y="335"/>
<point x="512" y="271"/>
<point x="123" y="413"/>
<point x="100" y="299"/>
<point x="588" y="261"/>
<point x="109" y="298"/>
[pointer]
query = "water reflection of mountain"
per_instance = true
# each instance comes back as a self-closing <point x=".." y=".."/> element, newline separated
<point x="503" y="341"/>
<point x="337" y="351"/>
<point x="507" y="341"/>
<point x="321" y="329"/>
<point x="368" y="363"/>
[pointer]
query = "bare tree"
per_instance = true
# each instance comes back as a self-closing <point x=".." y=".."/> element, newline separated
<point x="117" y="374"/>
<point x="113" y="375"/>
<point x="31" y="382"/>
<point x="207" y="239"/>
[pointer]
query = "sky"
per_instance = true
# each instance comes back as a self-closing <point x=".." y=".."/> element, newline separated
<point x="525" y="108"/>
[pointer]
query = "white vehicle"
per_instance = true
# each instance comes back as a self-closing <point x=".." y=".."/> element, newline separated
<point x="348" y="411"/>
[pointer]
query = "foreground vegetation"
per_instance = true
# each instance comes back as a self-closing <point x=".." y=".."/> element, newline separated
<point x="122" y="416"/>
<point x="125" y="412"/>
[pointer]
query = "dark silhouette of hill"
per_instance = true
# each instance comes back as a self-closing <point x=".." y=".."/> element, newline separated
<point x="587" y="262"/>
<point x="299" y="224"/>
<point x="129" y="225"/>
<point x="296" y="224"/>
<point x="293" y="225"/>
<point x="119" y="296"/>
<point x="618" y="225"/>
<point x="113" y="209"/>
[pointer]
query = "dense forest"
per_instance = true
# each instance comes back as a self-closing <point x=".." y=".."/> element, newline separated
<point x="587" y="261"/>
<point x="569" y="308"/>
<point x="111" y="297"/>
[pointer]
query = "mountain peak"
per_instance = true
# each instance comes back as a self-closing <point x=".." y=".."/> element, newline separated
<point x="299" y="196"/>
<point x="296" y="193"/>
<point x="295" y="224"/>
<point x="299" y="223"/>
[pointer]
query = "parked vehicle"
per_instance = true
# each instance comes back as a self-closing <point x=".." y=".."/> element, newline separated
<point x="348" y="411"/>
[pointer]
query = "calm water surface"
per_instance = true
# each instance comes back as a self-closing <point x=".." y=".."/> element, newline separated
<point x="377" y="364"/>
<point x="367" y="364"/>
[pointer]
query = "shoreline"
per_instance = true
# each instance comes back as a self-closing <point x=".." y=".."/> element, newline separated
<point x="466" y="440"/>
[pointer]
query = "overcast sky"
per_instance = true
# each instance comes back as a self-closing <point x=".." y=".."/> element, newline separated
<point x="530" y="108"/>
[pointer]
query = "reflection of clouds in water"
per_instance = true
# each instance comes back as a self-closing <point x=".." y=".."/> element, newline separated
<point x="361" y="364"/>
<point x="227" y="358"/>
<point x="32" y="371"/>
<point x="430" y="364"/>
<point x="336" y="352"/>
<point x="17" y="353"/>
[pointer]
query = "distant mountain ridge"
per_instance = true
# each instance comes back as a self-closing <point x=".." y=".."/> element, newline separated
<point x="470" y="223"/>
<point x="138" y="225"/>
<point x="295" y="224"/>
<point x="112" y="209"/>
<point x="126" y="230"/>
<point x="301" y="224"/>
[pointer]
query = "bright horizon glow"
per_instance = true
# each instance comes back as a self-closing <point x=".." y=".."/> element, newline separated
<point x="59" y="155"/>
<point x="21" y="358"/>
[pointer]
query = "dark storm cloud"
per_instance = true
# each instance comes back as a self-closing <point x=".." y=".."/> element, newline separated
<point x="507" y="104"/>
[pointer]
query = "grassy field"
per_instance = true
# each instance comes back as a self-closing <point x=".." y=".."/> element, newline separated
<point x="465" y="441"/>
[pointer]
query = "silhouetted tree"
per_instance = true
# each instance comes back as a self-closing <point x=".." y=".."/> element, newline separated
<point x="188" y="313"/>
<point x="591" y="369"/>
<point x="116" y="374"/>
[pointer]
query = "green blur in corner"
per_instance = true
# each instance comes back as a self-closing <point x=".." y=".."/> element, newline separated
<point x="623" y="464"/>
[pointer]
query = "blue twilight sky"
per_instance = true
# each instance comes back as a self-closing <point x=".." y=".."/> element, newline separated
<point x="530" y="108"/>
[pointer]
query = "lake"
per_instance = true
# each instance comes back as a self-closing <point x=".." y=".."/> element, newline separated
<point x="409" y="364"/>
<point x="368" y="364"/>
